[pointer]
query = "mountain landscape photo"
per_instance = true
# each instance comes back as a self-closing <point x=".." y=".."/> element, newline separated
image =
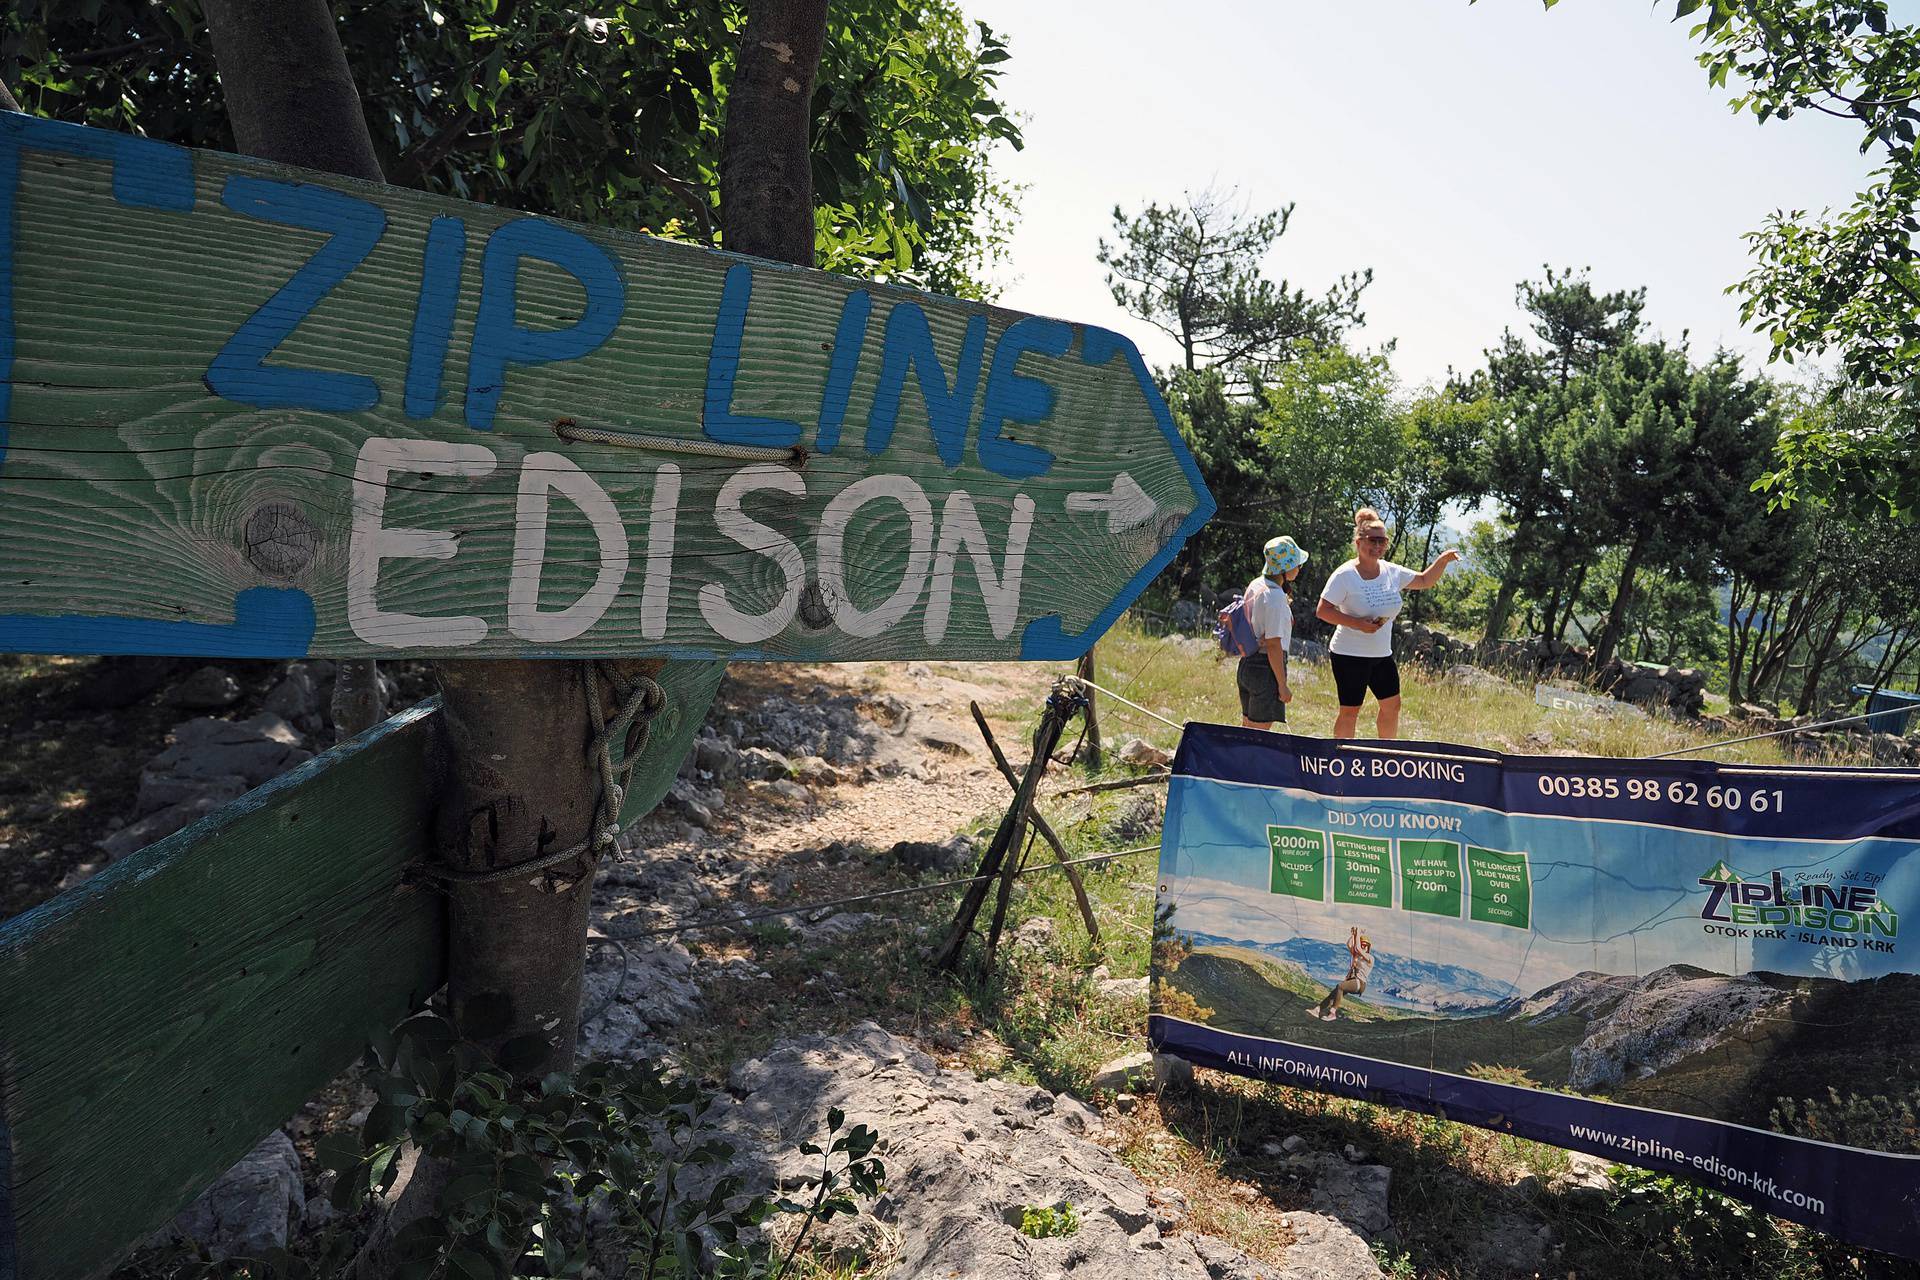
<point x="1681" y="1038"/>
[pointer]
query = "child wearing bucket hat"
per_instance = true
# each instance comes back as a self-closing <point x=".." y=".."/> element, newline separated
<point x="1262" y="676"/>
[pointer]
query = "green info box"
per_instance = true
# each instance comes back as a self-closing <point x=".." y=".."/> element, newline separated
<point x="1430" y="877"/>
<point x="1499" y="887"/>
<point x="1362" y="870"/>
<point x="1299" y="862"/>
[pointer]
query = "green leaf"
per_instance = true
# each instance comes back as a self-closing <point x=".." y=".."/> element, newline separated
<point x="338" y="1151"/>
<point x="463" y="1190"/>
<point x="471" y="1265"/>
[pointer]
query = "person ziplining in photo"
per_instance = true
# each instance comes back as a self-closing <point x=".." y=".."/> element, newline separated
<point x="1359" y="969"/>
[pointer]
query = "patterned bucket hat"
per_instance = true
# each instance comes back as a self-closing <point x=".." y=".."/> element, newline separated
<point x="1283" y="555"/>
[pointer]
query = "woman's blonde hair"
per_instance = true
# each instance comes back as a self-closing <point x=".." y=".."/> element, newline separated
<point x="1364" y="517"/>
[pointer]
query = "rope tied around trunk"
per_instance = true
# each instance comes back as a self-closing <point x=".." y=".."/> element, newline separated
<point x="640" y="700"/>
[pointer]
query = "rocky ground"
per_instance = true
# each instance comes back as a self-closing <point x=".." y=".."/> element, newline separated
<point x="810" y="784"/>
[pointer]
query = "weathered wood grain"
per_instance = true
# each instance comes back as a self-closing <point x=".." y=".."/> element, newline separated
<point x="159" y="1019"/>
<point x="127" y="485"/>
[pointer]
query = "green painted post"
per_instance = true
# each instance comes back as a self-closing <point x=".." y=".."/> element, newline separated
<point x="159" y="1018"/>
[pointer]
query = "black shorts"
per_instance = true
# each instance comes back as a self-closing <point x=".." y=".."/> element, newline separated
<point x="1260" y="691"/>
<point x="1354" y="676"/>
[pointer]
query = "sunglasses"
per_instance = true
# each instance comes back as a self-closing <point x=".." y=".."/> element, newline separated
<point x="1379" y="539"/>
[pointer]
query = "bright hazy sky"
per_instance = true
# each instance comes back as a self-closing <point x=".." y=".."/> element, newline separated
<point x="1453" y="149"/>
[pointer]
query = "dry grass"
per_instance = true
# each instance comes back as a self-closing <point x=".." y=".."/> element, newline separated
<point x="1187" y="679"/>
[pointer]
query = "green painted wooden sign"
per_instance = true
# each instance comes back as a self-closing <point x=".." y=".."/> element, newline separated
<point x="160" y="1019"/>
<point x="253" y="411"/>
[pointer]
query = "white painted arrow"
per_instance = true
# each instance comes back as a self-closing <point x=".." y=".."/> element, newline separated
<point x="1126" y="505"/>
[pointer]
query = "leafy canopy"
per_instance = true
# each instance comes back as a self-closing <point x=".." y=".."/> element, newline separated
<point x="611" y="115"/>
<point x="1194" y="271"/>
<point x="1844" y="283"/>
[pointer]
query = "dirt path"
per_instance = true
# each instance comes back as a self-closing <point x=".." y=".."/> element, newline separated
<point x="945" y="776"/>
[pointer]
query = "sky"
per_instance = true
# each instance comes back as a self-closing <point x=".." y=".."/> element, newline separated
<point x="1453" y="149"/>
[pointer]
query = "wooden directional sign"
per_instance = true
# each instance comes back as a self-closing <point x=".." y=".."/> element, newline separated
<point x="253" y="411"/>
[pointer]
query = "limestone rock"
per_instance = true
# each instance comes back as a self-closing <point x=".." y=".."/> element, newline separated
<point x="300" y="698"/>
<point x="252" y="1206"/>
<point x="631" y="997"/>
<point x="962" y="1157"/>
<point x="207" y="689"/>
<point x="816" y="772"/>
<point x="946" y="858"/>
<point x="1116" y="1075"/>
<point x="1356" y="1194"/>
<point x="1142" y="754"/>
<point x="763" y="762"/>
<point x="717" y="757"/>
<point x="1325" y="1248"/>
<point x="255" y="749"/>
<point x="838" y="928"/>
<point x="1036" y="934"/>
<point x="1172" y="1073"/>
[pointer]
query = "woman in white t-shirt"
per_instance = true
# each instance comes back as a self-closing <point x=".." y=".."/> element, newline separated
<point x="1360" y="600"/>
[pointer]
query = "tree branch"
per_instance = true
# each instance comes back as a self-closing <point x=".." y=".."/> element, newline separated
<point x="113" y="52"/>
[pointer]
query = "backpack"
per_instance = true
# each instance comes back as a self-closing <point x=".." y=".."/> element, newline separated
<point x="1235" y="631"/>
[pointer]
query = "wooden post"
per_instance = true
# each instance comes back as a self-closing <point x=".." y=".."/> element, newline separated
<point x="1085" y="672"/>
<point x="1041" y="825"/>
<point x="1118" y="784"/>
<point x="1060" y="705"/>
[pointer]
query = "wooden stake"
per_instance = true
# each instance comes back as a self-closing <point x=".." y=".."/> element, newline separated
<point x="1119" y="784"/>
<point x="1060" y="704"/>
<point x="1085" y="672"/>
<point x="1040" y="824"/>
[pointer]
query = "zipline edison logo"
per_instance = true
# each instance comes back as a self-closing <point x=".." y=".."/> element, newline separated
<point x="1816" y="910"/>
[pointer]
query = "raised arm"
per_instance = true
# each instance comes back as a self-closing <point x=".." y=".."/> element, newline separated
<point x="1431" y="574"/>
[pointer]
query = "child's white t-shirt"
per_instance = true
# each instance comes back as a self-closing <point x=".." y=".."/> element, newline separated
<point x="1270" y="612"/>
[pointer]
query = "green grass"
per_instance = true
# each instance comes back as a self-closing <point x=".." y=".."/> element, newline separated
<point x="1184" y="679"/>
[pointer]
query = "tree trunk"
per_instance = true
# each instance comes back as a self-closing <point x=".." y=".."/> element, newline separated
<point x="1573" y="607"/>
<point x="1426" y="558"/>
<point x="519" y="781"/>
<point x="1496" y="628"/>
<point x="290" y="96"/>
<point x="766" y="173"/>
<point x="1622" y="600"/>
<point x="1085" y="672"/>
<point x="1737" y="633"/>
<point x="1817" y="661"/>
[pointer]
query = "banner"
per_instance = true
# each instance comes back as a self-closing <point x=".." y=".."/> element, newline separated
<point x="1691" y="967"/>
